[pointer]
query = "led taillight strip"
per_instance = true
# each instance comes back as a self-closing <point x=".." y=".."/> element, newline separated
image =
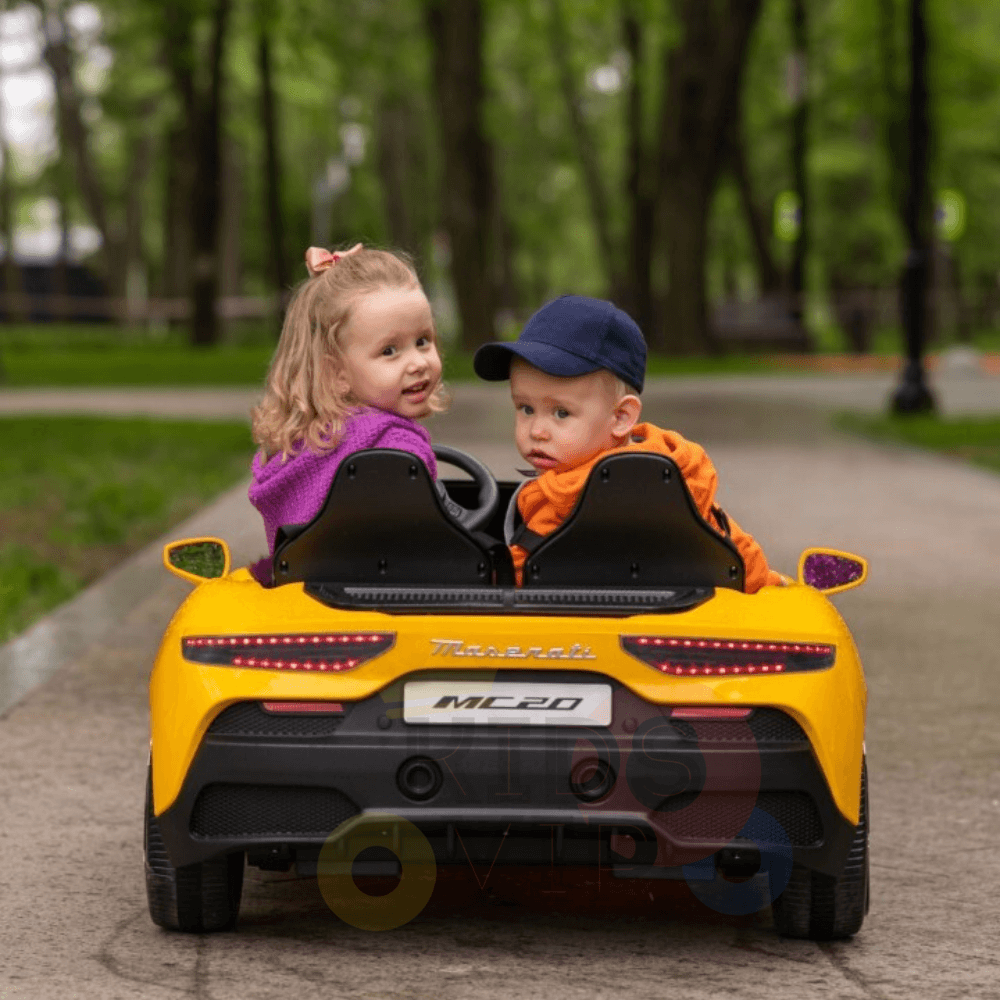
<point x="694" y="657"/>
<point x="683" y="670"/>
<point x="266" y="663"/>
<point x="309" y="652"/>
<point x="728" y="644"/>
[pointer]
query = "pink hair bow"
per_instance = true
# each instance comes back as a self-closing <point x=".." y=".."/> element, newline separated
<point x="318" y="259"/>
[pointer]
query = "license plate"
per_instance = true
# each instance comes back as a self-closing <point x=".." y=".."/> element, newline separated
<point x="506" y="703"/>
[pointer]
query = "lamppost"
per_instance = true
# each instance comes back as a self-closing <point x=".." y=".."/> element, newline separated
<point x="912" y="394"/>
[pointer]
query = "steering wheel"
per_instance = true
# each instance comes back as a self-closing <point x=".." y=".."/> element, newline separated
<point x="471" y="518"/>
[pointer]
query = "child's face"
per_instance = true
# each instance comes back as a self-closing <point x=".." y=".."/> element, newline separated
<point x="562" y="422"/>
<point x="389" y="352"/>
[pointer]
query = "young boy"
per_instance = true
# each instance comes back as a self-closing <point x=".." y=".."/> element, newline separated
<point x="576" y="373"/>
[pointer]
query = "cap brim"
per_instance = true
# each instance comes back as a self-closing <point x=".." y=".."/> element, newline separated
<point x="492" y="361"/>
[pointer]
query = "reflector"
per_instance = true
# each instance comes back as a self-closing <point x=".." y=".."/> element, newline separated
<point x="709" y="712"/>
<point x="304" y="707"/>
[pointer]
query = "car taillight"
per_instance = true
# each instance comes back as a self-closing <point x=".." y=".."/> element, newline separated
<point x="313" y="651"/>
<point x="303" y="707"/>
<point x="725" y="657"/>
<point x="694" y="712"/>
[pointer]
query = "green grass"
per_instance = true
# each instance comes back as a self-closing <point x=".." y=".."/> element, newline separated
<point x="107" y="355"/>
<point x="177" y="365"/>
<point x="890" y="340"/>
<point x="77" y="495"/>
<point x="975" y="439"/>
<point x="62" y="336"/>
<point x="458" y="365"/>
<point x="68" y="354"/>
<point x="147" y="364"/>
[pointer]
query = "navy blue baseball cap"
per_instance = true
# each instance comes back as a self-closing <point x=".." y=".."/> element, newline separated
<point x="572" y="335"/>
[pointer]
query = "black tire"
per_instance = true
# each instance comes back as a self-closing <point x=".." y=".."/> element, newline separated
<point x="827" y="907"/>
<point x="194" y="898"/>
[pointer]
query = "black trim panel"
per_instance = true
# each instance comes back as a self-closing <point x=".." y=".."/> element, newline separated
<point x="607" y="602"/>
<point x="517" y="779"/>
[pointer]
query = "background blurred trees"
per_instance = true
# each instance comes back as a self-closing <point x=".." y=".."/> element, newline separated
<point x="633" y="149"/>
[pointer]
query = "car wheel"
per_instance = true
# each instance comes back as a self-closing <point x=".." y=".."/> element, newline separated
<point x="827" y="907"/>
<point x="193" y="898"/>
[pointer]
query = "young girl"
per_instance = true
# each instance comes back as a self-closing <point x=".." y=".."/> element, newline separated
<point x="356" y="366"/>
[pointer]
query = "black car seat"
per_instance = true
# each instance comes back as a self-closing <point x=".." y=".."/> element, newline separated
<point x="634" y="525"/>
<point x="382" y="523"/>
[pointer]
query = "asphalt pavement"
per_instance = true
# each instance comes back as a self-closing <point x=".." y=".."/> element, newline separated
<point x="73" y="740"/>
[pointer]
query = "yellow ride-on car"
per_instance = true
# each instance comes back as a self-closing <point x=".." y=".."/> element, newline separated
<point x="628" y="707"/>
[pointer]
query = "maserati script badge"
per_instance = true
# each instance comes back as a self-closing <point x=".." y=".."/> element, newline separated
<point x="456" y="647"/>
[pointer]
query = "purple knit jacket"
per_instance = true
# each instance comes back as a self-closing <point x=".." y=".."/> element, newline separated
<point x="292" y="492"/>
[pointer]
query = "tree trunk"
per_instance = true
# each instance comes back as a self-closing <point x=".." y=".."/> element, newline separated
<point x="177" y="30"/>
<point x="176" y="278"/>
<point x="800" y="124"/>
<point x="14" y="309"/>
<point x="586" y="147"/>
<point x="207" y="200"/>
<point x="894" y="127"/>
<point x="74" y="139"/>
<point x="272" y="162"/>
<point x="684" y="209"/>
<point x="757" y="223"/>
<point x="702" y="79"/>
<point x="637" y="293"/>
<point x="913" y="396"/>
<point x="393" y="157"/>
<point x="468" y="200"/>
<point x="133" y="251"/>
<point x="63" y="188"/>
<point x="507" y="286"/>
<point x="231" y="220"/>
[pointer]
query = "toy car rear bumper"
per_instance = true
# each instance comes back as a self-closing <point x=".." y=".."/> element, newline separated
<point x="673" y="791"/>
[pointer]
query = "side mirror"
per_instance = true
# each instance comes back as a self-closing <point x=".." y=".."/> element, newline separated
<point x="832" y="571"/>
<point x="197" y="559"/>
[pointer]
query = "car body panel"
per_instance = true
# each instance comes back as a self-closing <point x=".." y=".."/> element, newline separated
<point x="829" y="704"/>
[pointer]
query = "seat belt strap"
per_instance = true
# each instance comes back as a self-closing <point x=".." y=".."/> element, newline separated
<point x="528" y="540"/>
<point x="515" y="531"/>
<point x="722" y="520"/>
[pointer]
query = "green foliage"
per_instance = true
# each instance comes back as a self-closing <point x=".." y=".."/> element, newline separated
<point x="337" y="70"/>
<point x="555" y="248"/>
<point x="77" y="494"/>
<point x="858" y="73"/>
<point x="857" y="226"/>
<point x="974" y="439"/>
<point x="966" y="97"/>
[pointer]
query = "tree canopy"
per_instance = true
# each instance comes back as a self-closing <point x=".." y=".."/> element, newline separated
<point x="636" y="150"/>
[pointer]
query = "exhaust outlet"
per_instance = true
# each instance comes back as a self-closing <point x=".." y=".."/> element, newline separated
<point x="419" y="778"/>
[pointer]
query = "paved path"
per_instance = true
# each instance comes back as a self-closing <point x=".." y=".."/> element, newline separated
<point x="74" y="753"/>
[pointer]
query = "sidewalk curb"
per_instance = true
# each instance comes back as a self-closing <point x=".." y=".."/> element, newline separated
<point x="70" y="630"/>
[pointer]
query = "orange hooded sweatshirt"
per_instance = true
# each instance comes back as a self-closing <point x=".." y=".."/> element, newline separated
<point x="547" y="501"/>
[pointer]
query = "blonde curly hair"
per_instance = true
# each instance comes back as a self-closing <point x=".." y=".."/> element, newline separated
<point x="301" y="407"/>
